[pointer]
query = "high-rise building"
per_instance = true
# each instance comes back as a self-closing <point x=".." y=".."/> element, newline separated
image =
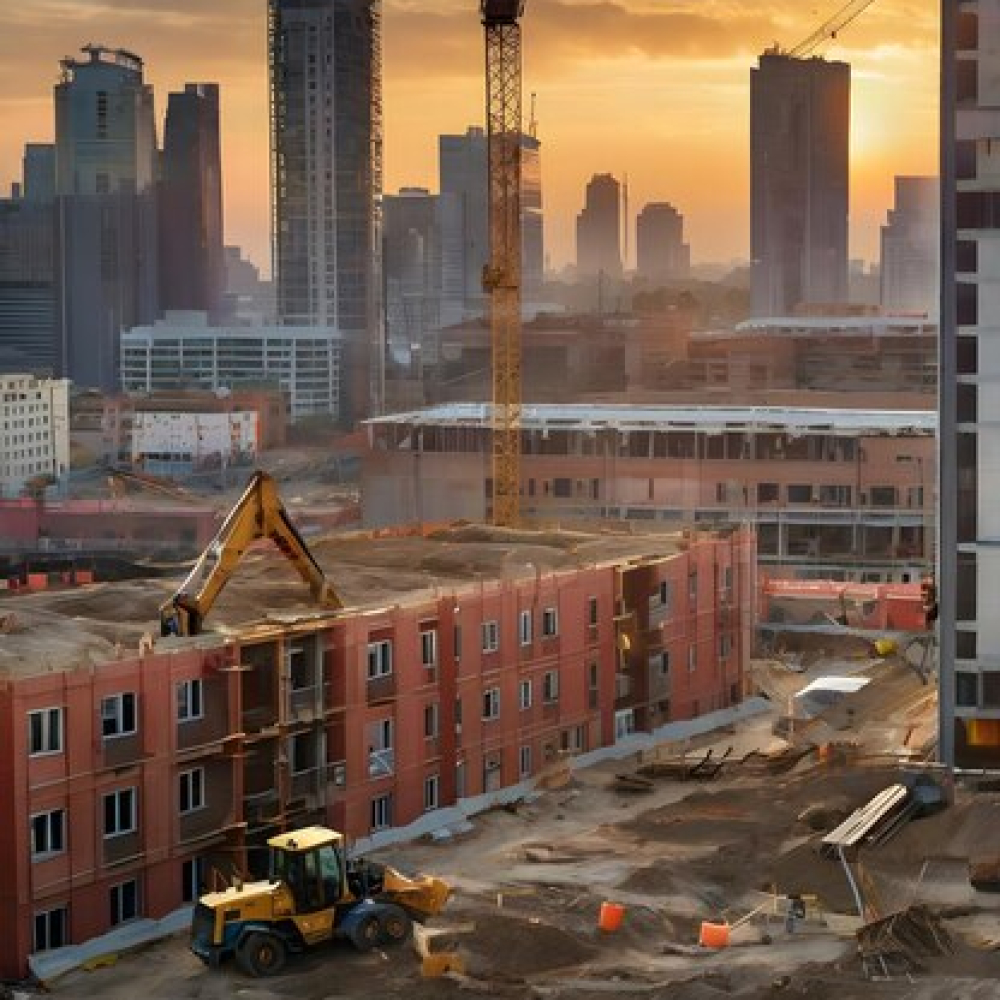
<point x="968" y="558"/>
<point x="105" y="209"/>
<point x="28" y="333"/>
<point x="192" y="271"/>
<point x="661" y="253"/>
<point x="413" y="268"/>
<point x="910" y="248"/>
<point x="464" y="179"/>
<point x="326" y="179"/>
<point x="598" y="229"/>
<point x="799" y="125"/>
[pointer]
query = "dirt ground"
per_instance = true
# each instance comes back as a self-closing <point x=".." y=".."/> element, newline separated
<point x="529" y="882"/>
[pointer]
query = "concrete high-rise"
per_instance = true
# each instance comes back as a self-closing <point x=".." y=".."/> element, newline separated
<point x="661" y="253"/>
<point x="326" y="179"/>
<point x="28" y="333"/>
<point x="969" y="373"/>
<point x="799" y="132"/>
<point x="464" y="182"/>
<point x="412" y="262"/>
<point x="192" y="270"/>
<point x="910" y="248"/>
<point x="105" y="209"/>
<point x="598" y="229"/>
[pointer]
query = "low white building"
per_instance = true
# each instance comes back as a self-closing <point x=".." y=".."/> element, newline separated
<point x="182" y="351"/>
<point x="34" y="430"/>
<point x="177" y="442"/>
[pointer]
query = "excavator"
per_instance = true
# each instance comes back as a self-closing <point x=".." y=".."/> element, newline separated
<point x="259" y="513"/>
<point x="313" y="894"/>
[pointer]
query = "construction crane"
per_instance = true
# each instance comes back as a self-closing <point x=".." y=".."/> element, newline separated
<point x="830" y="28"/>
<point x="259" y="513"/>
<point x="502" y="276"/>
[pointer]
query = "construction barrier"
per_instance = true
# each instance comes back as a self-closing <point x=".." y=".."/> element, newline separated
<point x="610" y="917"/>
<point x="714" y="935"/>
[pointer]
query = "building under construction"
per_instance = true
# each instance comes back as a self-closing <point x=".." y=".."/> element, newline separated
<point x="326" y="177"/>
<point x="466" y="661"/>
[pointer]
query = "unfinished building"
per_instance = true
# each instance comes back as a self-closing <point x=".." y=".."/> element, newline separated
<point x="140" y="772"/>
<point x="843" y="494"/>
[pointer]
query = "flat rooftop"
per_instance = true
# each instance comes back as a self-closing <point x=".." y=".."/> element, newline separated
<point x="707" y="419"/>
<point x="87" y="626"/>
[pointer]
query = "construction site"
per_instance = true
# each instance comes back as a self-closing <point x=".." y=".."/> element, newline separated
<point x="730" y="864"/>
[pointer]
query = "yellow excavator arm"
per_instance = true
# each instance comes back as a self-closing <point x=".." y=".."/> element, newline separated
<point x="259" y="513"/>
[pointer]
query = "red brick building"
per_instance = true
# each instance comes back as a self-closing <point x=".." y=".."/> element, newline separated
<point x="133" y="782"/>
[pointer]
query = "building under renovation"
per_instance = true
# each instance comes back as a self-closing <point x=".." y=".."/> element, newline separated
<point x="141" y="771"/>
<point x="832" y="493"/>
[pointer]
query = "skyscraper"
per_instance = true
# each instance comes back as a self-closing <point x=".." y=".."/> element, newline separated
<point x="598" y="229"/>
<point x="192" y="272"/>
<point x="105" y="209"/>
<point x="28" y="335"/>
<point x="462" y="164"/>
<point x="661" y="253"/>
<point x="910" y="248"/>
<point x="326" y="178"/>
<point x="799" y="125"/>
<point x="969" y="373"/>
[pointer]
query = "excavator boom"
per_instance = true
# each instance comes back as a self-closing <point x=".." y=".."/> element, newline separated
<point x="259" y="513"/>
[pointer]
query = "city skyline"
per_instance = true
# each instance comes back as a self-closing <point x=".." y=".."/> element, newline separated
<point x="665" y="87"/>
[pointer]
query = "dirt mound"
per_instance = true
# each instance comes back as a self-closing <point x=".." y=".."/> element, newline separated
<point x="509" y="946"/>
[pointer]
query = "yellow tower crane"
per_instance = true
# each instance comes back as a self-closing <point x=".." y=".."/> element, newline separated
<point x="502" y="276"/>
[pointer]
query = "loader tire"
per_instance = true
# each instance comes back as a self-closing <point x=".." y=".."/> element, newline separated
<point x="262" y="954"/>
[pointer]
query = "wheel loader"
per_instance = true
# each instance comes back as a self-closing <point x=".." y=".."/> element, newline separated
<point x="313" y="894"/>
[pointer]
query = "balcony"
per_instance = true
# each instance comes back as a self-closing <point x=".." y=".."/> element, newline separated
<point x="381" y="689"/>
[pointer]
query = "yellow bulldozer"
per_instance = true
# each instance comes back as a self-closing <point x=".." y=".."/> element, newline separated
<point x="313" y="894"/>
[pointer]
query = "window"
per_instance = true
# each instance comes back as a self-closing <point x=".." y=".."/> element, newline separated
<point x="458" y="642"/>
<point x="524" y="762"/>
<point x="592" y="611"/>
<point x="727" y="579"/>
<point x="192" y="879"/>
<point x="118" y="715"/>
<point x="491" y="703"/>
<point x="524" y="695"/>
<point x="725" y="644"/>
<point x="429" y="647"/>
<point x="51" y="929"/>
<point x="189" y="701"/>
<point x="659" y="663"/>
<point x="431" y="721"/>
<point x="800" y="493"/>
<point x="593" y="685"/>
<point x="491" y="637"/>
<point x="550" y="686"/>
<point x="193" y="789"/>
<point x="379" y="659"/>
<point x="381" y="758"/>
<point x="119" y="812"/>
<point x="550" y="622"/>
<point x="432" y="787"/>
<point x="48" y="834"/>
<point x="124" y="902"/>
<point x="692" y="659"/>
<point x="767" y="493"/>
<point x="524" y="628"/>
<point x="381" y="812"/>
<point x="45" y="731"/>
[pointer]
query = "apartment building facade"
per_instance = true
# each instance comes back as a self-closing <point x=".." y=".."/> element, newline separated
<point x="832" y="493"/>
<point x="34" y="430"/>
<point x="136" y="784"/>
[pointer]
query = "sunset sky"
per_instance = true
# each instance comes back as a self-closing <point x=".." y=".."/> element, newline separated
<point x="657" y="89"/>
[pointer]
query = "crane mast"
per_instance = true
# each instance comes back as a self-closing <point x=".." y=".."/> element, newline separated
<point x="502" y="276"/>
